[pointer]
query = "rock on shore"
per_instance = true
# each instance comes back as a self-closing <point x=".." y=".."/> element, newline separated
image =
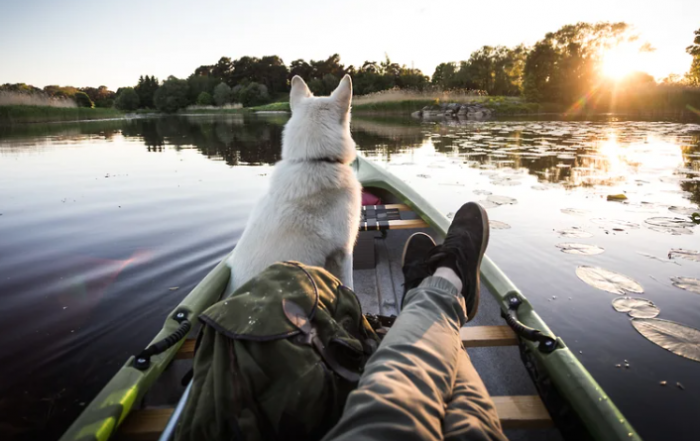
<point x="454" y="110"/>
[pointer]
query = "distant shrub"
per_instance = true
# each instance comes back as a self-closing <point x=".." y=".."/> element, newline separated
<point x="172" y="95"/>
<point x="316" y="86"/>
<point x="204" y="99"/>
<point x="252" y="94"/>
<point x="40" y="98"/>
<point x="127" y="99"/>
<point x="83" y="100"/>
<point x="222" y="94"/>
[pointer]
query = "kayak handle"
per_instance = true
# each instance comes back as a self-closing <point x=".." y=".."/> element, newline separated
<point x="546" y="345"/>
<point x="143" y="360"/>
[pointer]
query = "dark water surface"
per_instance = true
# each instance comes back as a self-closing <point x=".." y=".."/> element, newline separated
<point x="106" y="226"/>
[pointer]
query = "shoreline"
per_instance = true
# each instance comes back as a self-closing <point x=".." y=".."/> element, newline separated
<point x="20" y="115"/>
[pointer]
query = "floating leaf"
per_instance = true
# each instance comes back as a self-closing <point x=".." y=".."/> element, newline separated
<point x="482" y="192"/>
<point x="685" y="211"/>
<point x="580" y="249"/>
<point x="487" y="204"/>
<point x="687" y="283"/>
<point x="496" y="225"/>
<point x="502" y="200"/>
<point x="673" y="231"/>
<point x="575" y="211"/>
<point x="670" y="179"/>
<point x="635" y="307"/>
<point x="615" y="223"/>
<point x="580" y="234"/>
<point x="608" y="281"/>
<point x="617" y="197"/>
<point x="669" y="222"/>
<point x="684" y="254"/>
<point x="674" y="337"/>
<point x="505" y="181"/>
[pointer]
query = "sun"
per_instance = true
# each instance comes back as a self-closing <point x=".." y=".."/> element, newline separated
<point x="620" y="61"/>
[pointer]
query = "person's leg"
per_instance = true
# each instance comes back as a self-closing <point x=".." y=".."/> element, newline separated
<point x="409" y="381"/>
<point x="404" y="390"/>
<point x="470" y="413"/>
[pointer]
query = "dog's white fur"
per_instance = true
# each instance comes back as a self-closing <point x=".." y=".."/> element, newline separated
<point x="311" y="212"/>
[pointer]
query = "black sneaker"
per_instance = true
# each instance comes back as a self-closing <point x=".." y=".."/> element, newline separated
<point x="462" y="250"/>
<point x="414" y="261"/>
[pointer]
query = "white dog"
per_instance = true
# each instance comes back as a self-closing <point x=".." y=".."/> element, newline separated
<point x="311" y="213"/>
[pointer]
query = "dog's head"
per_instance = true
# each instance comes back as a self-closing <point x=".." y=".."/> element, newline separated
<point x="319" y="126"/>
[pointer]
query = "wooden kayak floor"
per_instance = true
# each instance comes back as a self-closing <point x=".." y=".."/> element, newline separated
<point x="380" y="290"/>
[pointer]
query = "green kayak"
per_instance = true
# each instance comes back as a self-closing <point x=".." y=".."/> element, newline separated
<point x="543" y="386"/>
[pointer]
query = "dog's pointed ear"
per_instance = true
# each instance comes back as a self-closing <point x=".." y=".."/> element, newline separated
<point x="299" y="91"/>
<point x="342" y="94"/>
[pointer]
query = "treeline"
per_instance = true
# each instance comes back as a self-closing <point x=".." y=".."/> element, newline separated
<point x="565" y="67"/>
<point x="252" y="81"/>
<point x="89" y="97"/>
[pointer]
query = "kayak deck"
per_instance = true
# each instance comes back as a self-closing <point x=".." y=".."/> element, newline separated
<point x="138" y="403"/>
<point x="491" y="346"/>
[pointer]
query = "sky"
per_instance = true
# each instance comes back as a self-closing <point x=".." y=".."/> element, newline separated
<point x="91" y="43"/>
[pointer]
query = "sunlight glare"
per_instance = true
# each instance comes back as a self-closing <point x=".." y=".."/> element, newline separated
<point x="621" y="61"/>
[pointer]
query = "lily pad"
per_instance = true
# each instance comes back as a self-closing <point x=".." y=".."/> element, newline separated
<point x="636" y="307"/>
<point x="505" y="181"/>
<point x="684" y="254"/>
<point x="674" y="337"/>
<point x="502" y="200"/>
<point x="669" y="222"/>
<point x="685" y="211"/>
<point x="575" y="211"/>
<point x="617" y="197"/>
<point x="573" y="232"/>
<point x="615" y="223"/>
<point x="482" y="192"/>
<point x="608" y="280"/>
<point x="580" y="249"/>
<point x="496" y="225"/>
<point x="673" y="231"/>
<point x="485" y="203"/>
<point x="687" y="283"/>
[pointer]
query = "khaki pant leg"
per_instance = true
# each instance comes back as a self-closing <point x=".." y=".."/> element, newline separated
<point x="471" y="414"/>
<point x="407" y="383"/>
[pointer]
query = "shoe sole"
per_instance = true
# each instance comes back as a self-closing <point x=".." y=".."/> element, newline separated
<point x="484" y="244"/>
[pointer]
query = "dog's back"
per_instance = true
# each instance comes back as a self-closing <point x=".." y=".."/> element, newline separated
<point x="312" y="210"/>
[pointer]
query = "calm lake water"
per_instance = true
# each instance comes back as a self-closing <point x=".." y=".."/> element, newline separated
<point x="105" y="226"/>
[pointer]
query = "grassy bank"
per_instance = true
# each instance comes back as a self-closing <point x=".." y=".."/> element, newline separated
<point x="39" y="114"/>
<point x="404" y="103"/>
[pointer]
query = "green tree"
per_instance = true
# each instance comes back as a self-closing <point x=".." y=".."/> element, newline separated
<point x="693" y="75"/>
<point x="171" y="96"/>
<point x="83" y="100"/>
<point x="198" y="84"/>
<point x="222" y="94"/>
<point x="101" y="96"/>
<point x="565" y="65"/>
<point x="205" y="99"/>
<point x="127" y="99"/>
<point x="301" y="68"/>
<point x="251" y="94"/>
<point x="146" y="89"/>
<point x="223" y="70"/>
<point x="444" y="75"/>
